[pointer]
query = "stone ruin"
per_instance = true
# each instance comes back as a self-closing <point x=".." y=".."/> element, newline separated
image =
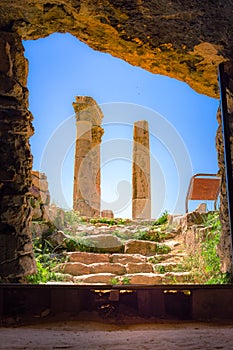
<point x="141" y="190"/>
<point x="87" y="192"/>
<point x="193" y="38"/>
<point x="87" y="174"/>
<point x="40" y="196"/>
<point x="44" y="214"/>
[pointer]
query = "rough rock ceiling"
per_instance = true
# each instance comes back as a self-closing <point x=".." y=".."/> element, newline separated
<point x="181" y="39"/>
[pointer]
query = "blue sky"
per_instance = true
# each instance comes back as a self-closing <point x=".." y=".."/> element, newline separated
<point x="61" y="67"/>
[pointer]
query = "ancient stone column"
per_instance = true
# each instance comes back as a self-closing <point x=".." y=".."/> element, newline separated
<point x="16" y="251"/>
<point x="87" y="188"/>
<point x="141" y="191"/>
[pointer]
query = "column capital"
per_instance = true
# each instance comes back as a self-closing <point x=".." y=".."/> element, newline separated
<point x="87" y="109"/>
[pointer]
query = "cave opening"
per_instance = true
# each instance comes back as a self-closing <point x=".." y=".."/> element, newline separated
<point x="61" y="67"/>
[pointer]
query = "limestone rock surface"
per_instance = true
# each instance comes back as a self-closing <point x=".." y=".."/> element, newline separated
<point x="142" y="247"/>
<point x="182" y="39"/>
<point x="103" y="243"/>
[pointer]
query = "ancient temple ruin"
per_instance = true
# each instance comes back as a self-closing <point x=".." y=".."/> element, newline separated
<point x="87" y="191"/>
<point x="141" y="191"/>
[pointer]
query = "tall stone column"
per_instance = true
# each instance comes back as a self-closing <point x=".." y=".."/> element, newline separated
<point x="16" y="250"/>
<point x="141" y="192"/>
<point x="87" y="188"/>
<point x="97" y="133"/>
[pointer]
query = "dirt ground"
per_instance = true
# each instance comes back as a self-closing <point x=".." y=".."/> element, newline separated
<point x="93" y="335"/>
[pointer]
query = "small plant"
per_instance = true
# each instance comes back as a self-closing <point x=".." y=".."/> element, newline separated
<point x="163" y="249"/>
<point x="122" y="235"/>
<point x="43" y="274"/>
<point x="118" y="280"/>
<point x="46" y="260"/>
<point x="160" y="269"/>
<point x="142" y="235"/>
<point x="151" y="235"/>
<point x="161" y="220"/>
<point x="155" y="259"/>
<point x="72" y="218"/>
<point x="108" y="221"/>
<point x="126" y="280"/>
<point x="114" y="280"/>
<point x="205" y="262"/>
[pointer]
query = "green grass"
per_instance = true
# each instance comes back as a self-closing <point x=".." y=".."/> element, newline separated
<point x="46" y="260"/>
<point x="162" y="219"/>
<point x="118" y="280"/>
<point x="153" y="235"/>
<point x="205" y="262"/>
<point x="108" y="221"/>
<point x="72" y="218"/>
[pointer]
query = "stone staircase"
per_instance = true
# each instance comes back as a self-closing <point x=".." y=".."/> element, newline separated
<point x="92" y="268"/>
<point x="138" y="262"/>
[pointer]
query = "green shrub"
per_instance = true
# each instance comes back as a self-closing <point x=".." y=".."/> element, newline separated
<point x="161" y="220"/>
<point x="46" y="260"/>
<point x="151" y="235"/>
<point x="71" y="217"/>
<point x="43" y="274"/>
<point x="163" y="249"/>
<point x="109" y="221"/>
<point x="160" y="269"/>
<point x="205" y="263"/>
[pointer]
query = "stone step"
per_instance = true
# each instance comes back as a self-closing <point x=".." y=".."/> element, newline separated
<point x="87" y="258"/>
<point x="138" y="278"/>
<point x="127" y="258"/>
<point x="146" y="248"/>
<point x="165" y="267"/>
<point x="91" y="258"/>
<point x="78" y="269"/>
<point x="171" y="257"/>
<point x="177" y="277"/>
<point x="100" y="278"/>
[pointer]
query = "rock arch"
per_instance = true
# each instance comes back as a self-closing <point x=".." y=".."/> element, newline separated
<point x="182" y="39"/>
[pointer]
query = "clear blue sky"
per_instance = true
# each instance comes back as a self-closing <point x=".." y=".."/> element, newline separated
<point x="182" y="122"/>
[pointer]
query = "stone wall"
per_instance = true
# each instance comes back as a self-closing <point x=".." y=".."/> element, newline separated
<point x="224" y="249"/>
<point x="40" y="199"/>
<point x="16" y="251"/>
<point x="45" y="216"/>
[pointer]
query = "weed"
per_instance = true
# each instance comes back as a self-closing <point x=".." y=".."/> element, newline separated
<point x="155" y="259"/>
<point x="122" y="235"/>
<point x="108" y="221"/>
<point x="161" y="220"/>
<point x="118" y="280"/>
<point x="205" y="262"/>
<point x="45" y="262"/>
<point x="152" y="235"/>
<point x="160" y="269"/>
<point x="72" y="218"/>
<point x="114" y="280"/>
<point x="125" y="280"/>
<point x="163" y="249"/>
